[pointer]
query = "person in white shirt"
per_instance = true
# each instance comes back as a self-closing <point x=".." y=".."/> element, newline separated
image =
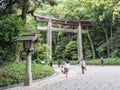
<point x="83" y="66"/>
<point x="66" y="68"/>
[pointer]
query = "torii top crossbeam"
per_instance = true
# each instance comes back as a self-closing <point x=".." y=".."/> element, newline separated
<point x="61" y="21"/>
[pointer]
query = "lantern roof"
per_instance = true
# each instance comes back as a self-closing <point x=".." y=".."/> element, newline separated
<point x="29" y="37"/>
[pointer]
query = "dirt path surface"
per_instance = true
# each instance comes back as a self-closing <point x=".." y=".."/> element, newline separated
<point x="95" y="78"/>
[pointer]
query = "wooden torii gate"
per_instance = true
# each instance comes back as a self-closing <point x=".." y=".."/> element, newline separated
<point x="49" y="30"/>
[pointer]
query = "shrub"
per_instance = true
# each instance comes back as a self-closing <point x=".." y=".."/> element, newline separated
<point x="14" y="73"/>
<point x="42" y="52"/>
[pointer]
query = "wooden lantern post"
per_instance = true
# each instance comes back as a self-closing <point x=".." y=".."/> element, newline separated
<point x="28" y="41"/>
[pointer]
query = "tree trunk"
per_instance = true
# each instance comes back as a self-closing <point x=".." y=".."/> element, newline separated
<point x="92" y="45"/>
<point x="17" y="55"/>
<point x="107" y="40"/>
<point x="24" y="9"/>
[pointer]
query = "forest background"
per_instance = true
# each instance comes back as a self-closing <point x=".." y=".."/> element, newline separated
<point x="103" y="39"/>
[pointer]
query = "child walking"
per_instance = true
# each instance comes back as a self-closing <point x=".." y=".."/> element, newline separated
<point x="66" y="68"/>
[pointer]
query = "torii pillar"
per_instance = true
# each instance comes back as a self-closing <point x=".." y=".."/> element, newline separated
<point x="79" y="43"/>
<point x="49" y="38"/>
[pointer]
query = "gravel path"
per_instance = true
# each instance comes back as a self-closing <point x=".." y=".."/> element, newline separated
<point x="95" y="78"/>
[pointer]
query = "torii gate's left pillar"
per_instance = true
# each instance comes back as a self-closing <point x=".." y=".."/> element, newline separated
<point x="49" y="38"/>
<point x="79" y="42"/>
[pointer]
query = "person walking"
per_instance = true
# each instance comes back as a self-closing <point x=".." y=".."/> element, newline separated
<point x="59" y="62"/>
<point x="83" y="66"/>
<point x="78" y="62"/>
<point x="66" y="68"/>
<point x="102" y="61"/>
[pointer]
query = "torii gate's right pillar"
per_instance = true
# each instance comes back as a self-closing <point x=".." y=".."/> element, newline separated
<point x="79" y="43"/>
<point x="49" y="39"/>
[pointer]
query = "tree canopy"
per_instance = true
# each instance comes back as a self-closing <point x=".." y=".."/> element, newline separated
<point x="101" y="41"/>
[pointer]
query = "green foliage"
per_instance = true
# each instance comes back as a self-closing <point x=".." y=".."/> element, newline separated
<point x="14" y="73"/>
<point x="115" y="44"/>
<point x="59" y="50"/>
<point x="47" y="10"/>
<point x="87" y="49"/>
<point x="102" y="15"/>
<point x="71" y="50"/>
<point x="88" y="54"/>
<point x="71" y="10"/>
<point x="41" y="71"/>
<point x="10" y="30"/>
<point x="62" y="41"/>
<point x="93" y="62"/>
<point x="42" y="52"/>
<point x="30" y="25"/>
<point x="101" y="50"/>
<point x="107" y="61"/>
